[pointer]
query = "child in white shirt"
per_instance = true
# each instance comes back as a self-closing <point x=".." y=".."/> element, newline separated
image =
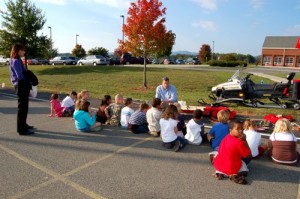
<point x="69" y="102"/>
<point x="253" y="139"/>
<point x="169" y="130"/>
<point x="126" y="112"/>
<point x="153" y="117"/>
<point x="195" y="129"/>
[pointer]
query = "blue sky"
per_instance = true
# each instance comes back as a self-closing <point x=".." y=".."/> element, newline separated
<point x="234" y="25"/>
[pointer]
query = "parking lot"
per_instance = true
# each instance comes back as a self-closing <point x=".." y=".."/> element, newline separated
<point x="59" y="162"/>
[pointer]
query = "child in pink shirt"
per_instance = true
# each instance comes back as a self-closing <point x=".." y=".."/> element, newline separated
<point x="55" y="106"/>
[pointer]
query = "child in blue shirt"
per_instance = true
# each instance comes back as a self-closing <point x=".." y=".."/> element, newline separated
<point x="85" y="121"/>
<point x="219" y="130"/>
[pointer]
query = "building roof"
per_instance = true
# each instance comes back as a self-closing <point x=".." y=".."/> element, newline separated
<point x="281" y="41"/>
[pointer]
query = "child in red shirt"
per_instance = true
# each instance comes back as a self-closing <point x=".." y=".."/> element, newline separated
<point x="228" y="160"/>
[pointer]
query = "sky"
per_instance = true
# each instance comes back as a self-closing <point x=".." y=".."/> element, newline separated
<point x="238" y="26"/>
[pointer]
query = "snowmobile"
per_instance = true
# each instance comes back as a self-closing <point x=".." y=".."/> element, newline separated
<point x="244" y="90"/>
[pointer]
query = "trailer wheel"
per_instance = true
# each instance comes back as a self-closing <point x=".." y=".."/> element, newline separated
<point x="284" y="106"/>
<point x="297" y="106"/>
<point x="254" y="104"/>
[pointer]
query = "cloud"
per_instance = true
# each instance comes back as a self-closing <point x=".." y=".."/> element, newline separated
<point x="206" y="25"/>
<point x="295" y="30"/>
<point x="256" y="4"/>
<point x="56" y="2"/>
<point x="209" y="5"/>
<point x="121" y="4"/>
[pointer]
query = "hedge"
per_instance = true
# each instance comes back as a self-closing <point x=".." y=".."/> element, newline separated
<point x="222" y="63"/>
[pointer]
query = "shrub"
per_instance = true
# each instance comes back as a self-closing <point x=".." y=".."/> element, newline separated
<point x="223" y="63"/>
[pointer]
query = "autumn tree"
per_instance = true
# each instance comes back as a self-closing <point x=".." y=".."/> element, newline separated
<point x="21" y="23"/>
<point x="167" y="47"/>
<point x="204" y="53"/>
<point x="98" y="51"/>
<point x="145" y="30"/>
<point x="78" y="51"/>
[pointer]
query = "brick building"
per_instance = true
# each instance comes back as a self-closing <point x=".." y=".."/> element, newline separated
<point x="281" y="51"/>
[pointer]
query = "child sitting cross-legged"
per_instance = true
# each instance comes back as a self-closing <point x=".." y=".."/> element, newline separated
<point x="126" y="112"/>
<point x="85" y="120"/>
<point x="68" y="103"/>
<point x="254" y="140"/>
<point x="195" y="129"/>
<point x="228" y="160"/>
<point x="168" y="124"/>
<point x="283" y="144"/>
<point x="219" y="130"/>
<point x="153" y="117"/>
<point x="113" y="111"/>
<point x="105" y="102"/>
<point x="138" y="121"/>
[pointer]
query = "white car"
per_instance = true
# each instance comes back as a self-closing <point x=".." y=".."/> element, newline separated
<point x="93" y="60"/>
<point x="4" y="60"/>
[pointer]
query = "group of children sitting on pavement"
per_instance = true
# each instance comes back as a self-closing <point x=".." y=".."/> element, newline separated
<point x="234" y="144"/>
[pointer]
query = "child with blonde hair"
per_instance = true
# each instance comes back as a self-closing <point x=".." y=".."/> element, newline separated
<point x="168" y="124"/>
<point x="82" y="96"/>
<point x="113" y="111"/>
<point x="253" y="139"/>
<point x="283" y="144"/>
<point x="219" y="130"/>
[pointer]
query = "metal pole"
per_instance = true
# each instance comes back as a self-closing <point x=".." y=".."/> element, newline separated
<point x="122" y="16"/>
<point x="76" y="39"/>
<point x="50" y="41"/>
<point x="213" y="50"/>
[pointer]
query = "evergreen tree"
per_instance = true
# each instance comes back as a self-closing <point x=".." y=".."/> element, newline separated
<point x="21" y="23"/>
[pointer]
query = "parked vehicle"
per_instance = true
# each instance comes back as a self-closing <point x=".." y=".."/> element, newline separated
<point x="168" y="61"/>
<point x="43" y="61"/>
<point x="193" y="60"/>
<point x="93" y="60"/>
<point x="62" y="61"/>
<point x="179" y="61"/>
<point x="31" y="61"/>
<point x="155" y="61"/>
<point x="4" y="61"/>
<point x="114" y="61"/>
<point x="127" y="58"/>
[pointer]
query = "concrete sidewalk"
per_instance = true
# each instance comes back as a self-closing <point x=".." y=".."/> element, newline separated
<point x="59" y="162"/>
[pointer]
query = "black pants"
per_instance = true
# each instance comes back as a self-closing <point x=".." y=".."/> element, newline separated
<point x="22" y="91"/>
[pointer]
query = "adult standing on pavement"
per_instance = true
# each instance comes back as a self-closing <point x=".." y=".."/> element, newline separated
<point x="166" y="92"/>
<point x="22" y="87"/>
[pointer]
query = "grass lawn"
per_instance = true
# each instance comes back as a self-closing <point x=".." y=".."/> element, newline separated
<point x="100" y="80"/>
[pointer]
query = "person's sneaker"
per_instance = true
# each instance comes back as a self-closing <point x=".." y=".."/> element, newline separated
<point x="177" y="146"/>
<point x="29" y="127"/>
<point x="238" y="179"/>
<point x="97" y="129"/>
<point x="219" y="176"/>
<point x="27" y="132"/>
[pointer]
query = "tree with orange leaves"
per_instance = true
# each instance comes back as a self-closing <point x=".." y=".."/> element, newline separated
<point x="145" y="30"/>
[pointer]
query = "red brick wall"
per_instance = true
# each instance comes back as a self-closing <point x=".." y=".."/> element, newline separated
<point x="272" y="53"/>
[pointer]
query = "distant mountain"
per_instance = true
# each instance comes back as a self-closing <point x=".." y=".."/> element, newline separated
<point x="184" y="53"/>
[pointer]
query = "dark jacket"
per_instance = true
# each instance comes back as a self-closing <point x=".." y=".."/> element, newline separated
<point x="31" y="77"/>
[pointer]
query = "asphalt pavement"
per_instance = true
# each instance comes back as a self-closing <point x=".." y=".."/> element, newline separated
<point x="59" y="162"/>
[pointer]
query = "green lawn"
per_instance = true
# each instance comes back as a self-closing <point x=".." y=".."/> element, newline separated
<point x="100" y="80"/>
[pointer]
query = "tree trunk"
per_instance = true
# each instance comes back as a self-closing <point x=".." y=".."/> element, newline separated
<point x="145" y="76"/>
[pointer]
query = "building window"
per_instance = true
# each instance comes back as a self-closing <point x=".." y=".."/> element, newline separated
<point x="267" y="60"/>
<point x="298" y="61"/>
<point x="278" y="60"/>
<point x="289" y="61"/>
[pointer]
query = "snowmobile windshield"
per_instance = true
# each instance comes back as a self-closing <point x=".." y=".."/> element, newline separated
<point x="236" y="75"/>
